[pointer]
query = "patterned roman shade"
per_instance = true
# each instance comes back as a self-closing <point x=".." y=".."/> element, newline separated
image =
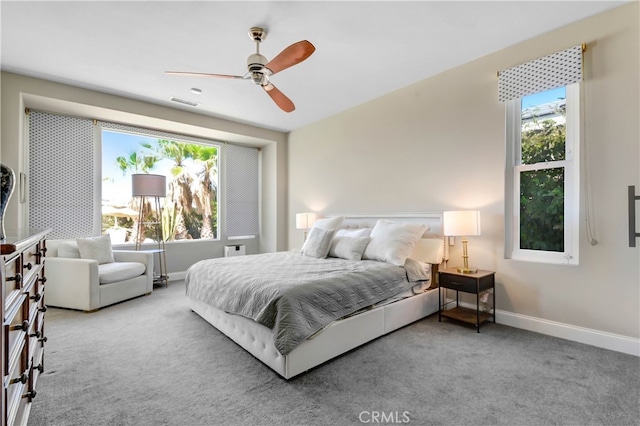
<point x="242" y="191"/>
<point x="555" y="70"/>
<point x="62" y="176"/>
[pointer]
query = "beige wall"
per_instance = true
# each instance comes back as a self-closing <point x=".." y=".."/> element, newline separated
<point x="19" y="92"/>
<point x="439" y="145"/>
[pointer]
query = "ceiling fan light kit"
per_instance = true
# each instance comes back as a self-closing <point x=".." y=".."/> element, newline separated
<point x="259" y="69"/>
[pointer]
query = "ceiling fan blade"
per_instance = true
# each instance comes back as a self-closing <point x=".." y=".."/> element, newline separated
<point x="279" y="98"/>
<point x="290" y="56"/>
<point x="202" y="74"/>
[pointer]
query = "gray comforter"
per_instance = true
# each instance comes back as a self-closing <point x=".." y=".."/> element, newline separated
<point x="292" y="294"/>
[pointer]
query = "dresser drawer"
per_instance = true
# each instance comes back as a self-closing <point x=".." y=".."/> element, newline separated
<point x="14" y="394"/>
<point x="12" y="276"/>
<point x="37" y="366"/>
<point x="31" y="257"/>
<point x="457" y="282"/>
<point x="31" y="284"/>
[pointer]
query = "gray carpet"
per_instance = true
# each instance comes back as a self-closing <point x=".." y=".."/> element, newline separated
<point x="151" y="361"/>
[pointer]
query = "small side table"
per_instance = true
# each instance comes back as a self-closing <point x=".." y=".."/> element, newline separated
<point x="476" y="284"/>
<point x="161" y="277"/>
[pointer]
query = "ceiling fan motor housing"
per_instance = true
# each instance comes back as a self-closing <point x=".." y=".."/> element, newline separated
<point x="256" y="66"/>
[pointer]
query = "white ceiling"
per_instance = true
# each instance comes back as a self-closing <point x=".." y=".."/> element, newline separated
<point x="364" y="49"/>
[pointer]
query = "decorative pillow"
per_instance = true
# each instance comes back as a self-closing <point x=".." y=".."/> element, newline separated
<point x="329" y="223"/>
<point x="318" y="243"/>
<point x="350" y="248"/>
<point x="358" y="232"/>
<point x="69" y="249"/>
<point x="392" y="242"/>
<point x="97" y="248"/>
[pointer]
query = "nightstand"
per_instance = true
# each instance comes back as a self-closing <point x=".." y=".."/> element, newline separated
<point x="476" y="284"/>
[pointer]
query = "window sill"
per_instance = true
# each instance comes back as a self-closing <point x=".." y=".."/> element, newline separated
<point x="548" y="259"/>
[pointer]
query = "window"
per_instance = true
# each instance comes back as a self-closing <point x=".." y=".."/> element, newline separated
<point x="189" y="211"/>
<point x="79" y="180"/>
<point x="542" y="173"/>
<point x="542" y="176"/>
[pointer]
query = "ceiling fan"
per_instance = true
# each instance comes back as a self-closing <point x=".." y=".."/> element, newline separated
<point x="260" y="70"/>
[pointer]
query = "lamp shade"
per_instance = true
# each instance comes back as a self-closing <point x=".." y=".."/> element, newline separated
<point x="148" y="185"/>
<point x="461" y="223"/>
<point x="305" y="220"/>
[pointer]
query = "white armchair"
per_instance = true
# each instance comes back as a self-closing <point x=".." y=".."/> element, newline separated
<point x="84" y="284"/>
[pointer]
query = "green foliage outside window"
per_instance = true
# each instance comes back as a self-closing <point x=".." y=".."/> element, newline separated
<point x="542" y="191"/>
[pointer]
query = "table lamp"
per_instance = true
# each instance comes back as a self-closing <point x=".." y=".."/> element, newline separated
<point x="462" y="224"/>
<point x="305" y="221"/>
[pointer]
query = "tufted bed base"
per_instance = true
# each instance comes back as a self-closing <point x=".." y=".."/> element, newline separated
<point x="343" y="335"/>
<point x="336" y="339"/>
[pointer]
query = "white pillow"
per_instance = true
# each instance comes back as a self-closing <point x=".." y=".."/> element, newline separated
<point x="96" y="248"/>
<point x="350" y="248"/>
<point x="318" y="243"/>
<point x="329" y="223"/>
<point x="358" y="232"/>
<point x="392" y="242"/>
<point x="69" y="249"/>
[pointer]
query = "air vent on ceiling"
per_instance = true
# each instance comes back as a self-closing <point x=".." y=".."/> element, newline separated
<point x="185" y="101"/>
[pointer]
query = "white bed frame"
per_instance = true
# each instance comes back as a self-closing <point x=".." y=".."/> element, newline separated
<point x="340" y="336"/>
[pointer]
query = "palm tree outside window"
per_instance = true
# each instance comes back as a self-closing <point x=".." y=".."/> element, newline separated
<point x="190" y="210"/>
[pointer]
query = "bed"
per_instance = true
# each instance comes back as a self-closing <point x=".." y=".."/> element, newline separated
<point x="296" y="310"/>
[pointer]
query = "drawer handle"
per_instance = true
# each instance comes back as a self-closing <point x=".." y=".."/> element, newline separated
<point x="43" y="309"/>
<point x="24" y="326"/>
<point x="36" y="334"/>
<point x="28" y="266"/>
<point x="36" y="297"/>
<point x="31" y="394"/>
<point x="44" y="339"/>
<point x="457" y="283"/>
<point x="17" y="278"/>
<point x="22" y="379"/>
<point x="43" y="279"/>
<point x="40" y="368"/>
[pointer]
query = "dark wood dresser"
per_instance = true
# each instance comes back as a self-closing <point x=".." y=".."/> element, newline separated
<point x="23" y="310"/>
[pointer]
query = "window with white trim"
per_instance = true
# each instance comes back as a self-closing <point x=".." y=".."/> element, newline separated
<point x="542" y="174"/>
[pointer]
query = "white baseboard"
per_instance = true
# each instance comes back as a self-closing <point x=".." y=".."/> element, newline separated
<point x="177" y="276"/>
<point x="601" y="339"/>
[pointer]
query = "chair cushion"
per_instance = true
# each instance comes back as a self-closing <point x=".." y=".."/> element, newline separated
<point x="119" y="271"/>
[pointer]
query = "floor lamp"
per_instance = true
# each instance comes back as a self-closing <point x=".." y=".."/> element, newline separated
<point x="155" y="187"/>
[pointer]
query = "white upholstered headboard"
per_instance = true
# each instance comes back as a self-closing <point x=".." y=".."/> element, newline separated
<point x="431" y="248"/>
<point x="431" y="219"/>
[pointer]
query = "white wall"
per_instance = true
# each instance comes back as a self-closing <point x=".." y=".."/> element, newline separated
<point x="439" y="145"/>
<point x="20" y="91"/>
